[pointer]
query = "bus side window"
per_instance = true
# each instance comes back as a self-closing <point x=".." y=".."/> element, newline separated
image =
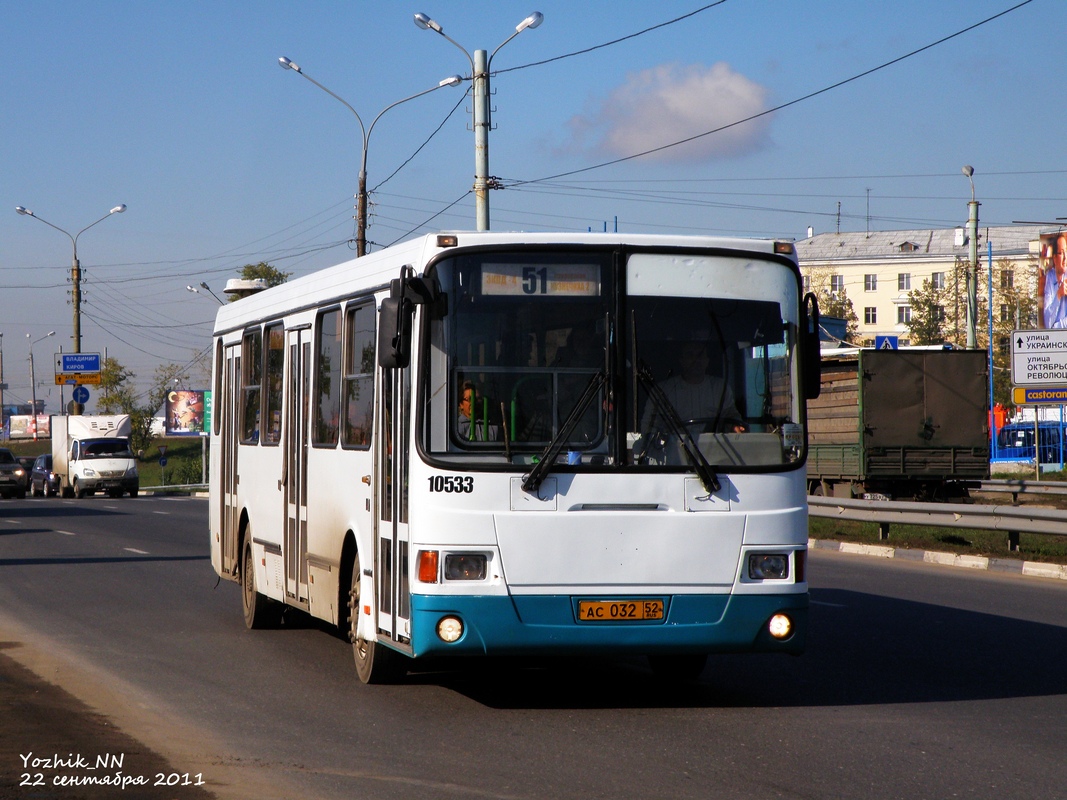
<point x="359" y="375"/>
<point x="251" y="383"/>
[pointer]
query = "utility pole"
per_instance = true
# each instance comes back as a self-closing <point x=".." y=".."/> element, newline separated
<point x="972" y="264"/>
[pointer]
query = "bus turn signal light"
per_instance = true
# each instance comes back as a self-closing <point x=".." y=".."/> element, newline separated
<point x="428" y="566"/>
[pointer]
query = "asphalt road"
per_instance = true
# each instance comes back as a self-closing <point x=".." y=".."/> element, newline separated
<point x="920" y="682"/>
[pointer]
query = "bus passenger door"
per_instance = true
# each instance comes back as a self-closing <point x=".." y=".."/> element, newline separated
<point x="392" y="585"/>
<point x="228" y="478"/>
<point x="295" y="459"/>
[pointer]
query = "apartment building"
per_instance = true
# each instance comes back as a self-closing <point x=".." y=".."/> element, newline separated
<point x="877" y="270"/>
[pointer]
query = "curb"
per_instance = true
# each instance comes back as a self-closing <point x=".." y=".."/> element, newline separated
<point x="1008" y="566"/>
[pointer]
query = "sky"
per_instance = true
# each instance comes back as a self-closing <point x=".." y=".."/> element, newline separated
<point x="742" y="117"/>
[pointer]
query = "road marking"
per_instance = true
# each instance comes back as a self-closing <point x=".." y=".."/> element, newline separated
<point x="135" y="550"/>
<point x="67" y="533"/>
<point x="164" y="513"/>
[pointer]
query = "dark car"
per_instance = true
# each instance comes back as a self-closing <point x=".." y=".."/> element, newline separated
<point x="42" y="480"/>
<point x="12" y="475"/>
<point x="27" y="466"/>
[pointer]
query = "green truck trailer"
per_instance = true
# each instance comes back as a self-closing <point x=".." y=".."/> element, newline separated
<point x="900" y="424"/>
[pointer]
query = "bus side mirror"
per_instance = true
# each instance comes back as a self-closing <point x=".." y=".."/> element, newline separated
<point x="810" y="357"/>
<point x="394" y="333"/>
<point x="396" y="314"/>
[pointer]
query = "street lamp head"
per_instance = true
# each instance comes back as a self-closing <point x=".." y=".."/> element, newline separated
<point x="285" y="63"/>
<point x="192" y="289"/>
<point x="968" y="170"/>
<point x="424" y="22"/>
<point x="24" y="211"/>
<point x="118" y="209"/>
<point x="532" y="21"/>
<point x="451" y="80"/>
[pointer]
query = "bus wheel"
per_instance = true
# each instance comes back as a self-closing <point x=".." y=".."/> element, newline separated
<point x="374" y="663"/>
<point x="260" y="611"/>
<point x="678" y="668"/>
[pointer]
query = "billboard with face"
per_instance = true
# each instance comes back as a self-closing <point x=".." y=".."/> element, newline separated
<point x="1052" y="280"/>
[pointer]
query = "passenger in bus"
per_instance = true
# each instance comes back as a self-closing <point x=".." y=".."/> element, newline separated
<point x="696" y="395"/>
<point x="473" y="423"/>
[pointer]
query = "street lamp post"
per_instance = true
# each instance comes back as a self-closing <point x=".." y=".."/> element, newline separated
<point x="75" y="269"/>
<point x="480" y="65"/>
<point x="204" y="285"/>
<point x="361" y="196"/>
<point x="972" y="264"/>
<point x="33" y="381"/>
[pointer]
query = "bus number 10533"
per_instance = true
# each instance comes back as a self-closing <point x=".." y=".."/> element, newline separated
<point x="451" y="484"/>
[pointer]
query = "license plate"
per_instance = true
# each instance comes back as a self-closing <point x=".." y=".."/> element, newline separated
<point x="619" y="610"/>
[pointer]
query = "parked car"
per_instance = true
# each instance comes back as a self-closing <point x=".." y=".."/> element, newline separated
<point x="42" y="480"/>
<point x="12" y="475"/>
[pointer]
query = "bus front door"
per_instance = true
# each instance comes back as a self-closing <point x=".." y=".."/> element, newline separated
<point x="295" y="458"/>
<point x="392" y="585"/>
<point x="228" y="508"/>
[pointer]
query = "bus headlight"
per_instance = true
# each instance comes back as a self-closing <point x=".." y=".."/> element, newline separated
<point x="449" y="629"/>
<point x="780" y="626"/>
<point x="768" y="566"/>
<point x="465" y="567"/>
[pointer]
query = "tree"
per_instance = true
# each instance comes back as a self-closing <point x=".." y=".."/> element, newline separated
<point x="116" y="393"/>
<point x="927" y="325"/>
<point x="166" y="378"/>
<point x="272" y="275"/>
<point x="834" y="302"/>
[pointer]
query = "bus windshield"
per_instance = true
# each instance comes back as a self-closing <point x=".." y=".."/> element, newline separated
<point x="605" y="358"/>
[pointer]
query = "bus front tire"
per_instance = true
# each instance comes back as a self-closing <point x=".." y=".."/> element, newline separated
<point x="260" y="611"/>
<point x="375" y="663"/>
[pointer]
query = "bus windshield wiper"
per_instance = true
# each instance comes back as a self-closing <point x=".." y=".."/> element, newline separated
<point x="677" y="427"/>
<point x="532" y="481"/>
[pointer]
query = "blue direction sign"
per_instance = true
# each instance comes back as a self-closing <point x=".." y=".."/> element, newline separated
<point x="77" y="362"/>
<point x="77" y="368"/>
<point x="81" y="395"/>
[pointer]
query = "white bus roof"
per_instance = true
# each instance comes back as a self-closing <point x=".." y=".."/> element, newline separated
<point x="377" y="269"/>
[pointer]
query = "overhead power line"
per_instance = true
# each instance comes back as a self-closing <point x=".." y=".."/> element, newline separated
<point x="782" y="106"/>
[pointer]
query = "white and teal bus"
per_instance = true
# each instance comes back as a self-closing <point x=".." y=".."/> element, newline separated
<point x="475" y="444"/>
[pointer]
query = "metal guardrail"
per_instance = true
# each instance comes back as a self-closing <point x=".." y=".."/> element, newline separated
<point x="1010" y="519"/>
<point x="176" y="487"/>
<point x="1017" y="487"/>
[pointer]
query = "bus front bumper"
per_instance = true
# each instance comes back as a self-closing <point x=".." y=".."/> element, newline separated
<point x="549" y="625"/>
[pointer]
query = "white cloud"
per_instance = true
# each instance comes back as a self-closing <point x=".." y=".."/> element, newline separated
<point x="670" y="103"/>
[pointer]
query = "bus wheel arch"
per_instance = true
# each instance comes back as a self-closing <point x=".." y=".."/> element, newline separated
<point x="259" y="610"/>
<point x="375" y="663"/>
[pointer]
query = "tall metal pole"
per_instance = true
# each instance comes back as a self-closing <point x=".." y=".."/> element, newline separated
<point x="481" y="140"/>
<point x="75" y="275"/>
<point x="33" y="396"/>
<point x="361" y="196"/>
<point x="480" y="63"/>
<point x="972" y="264"/>
<point x="33" y="381"/>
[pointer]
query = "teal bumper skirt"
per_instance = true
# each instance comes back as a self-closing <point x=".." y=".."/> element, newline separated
<point x="548" y="624"/>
